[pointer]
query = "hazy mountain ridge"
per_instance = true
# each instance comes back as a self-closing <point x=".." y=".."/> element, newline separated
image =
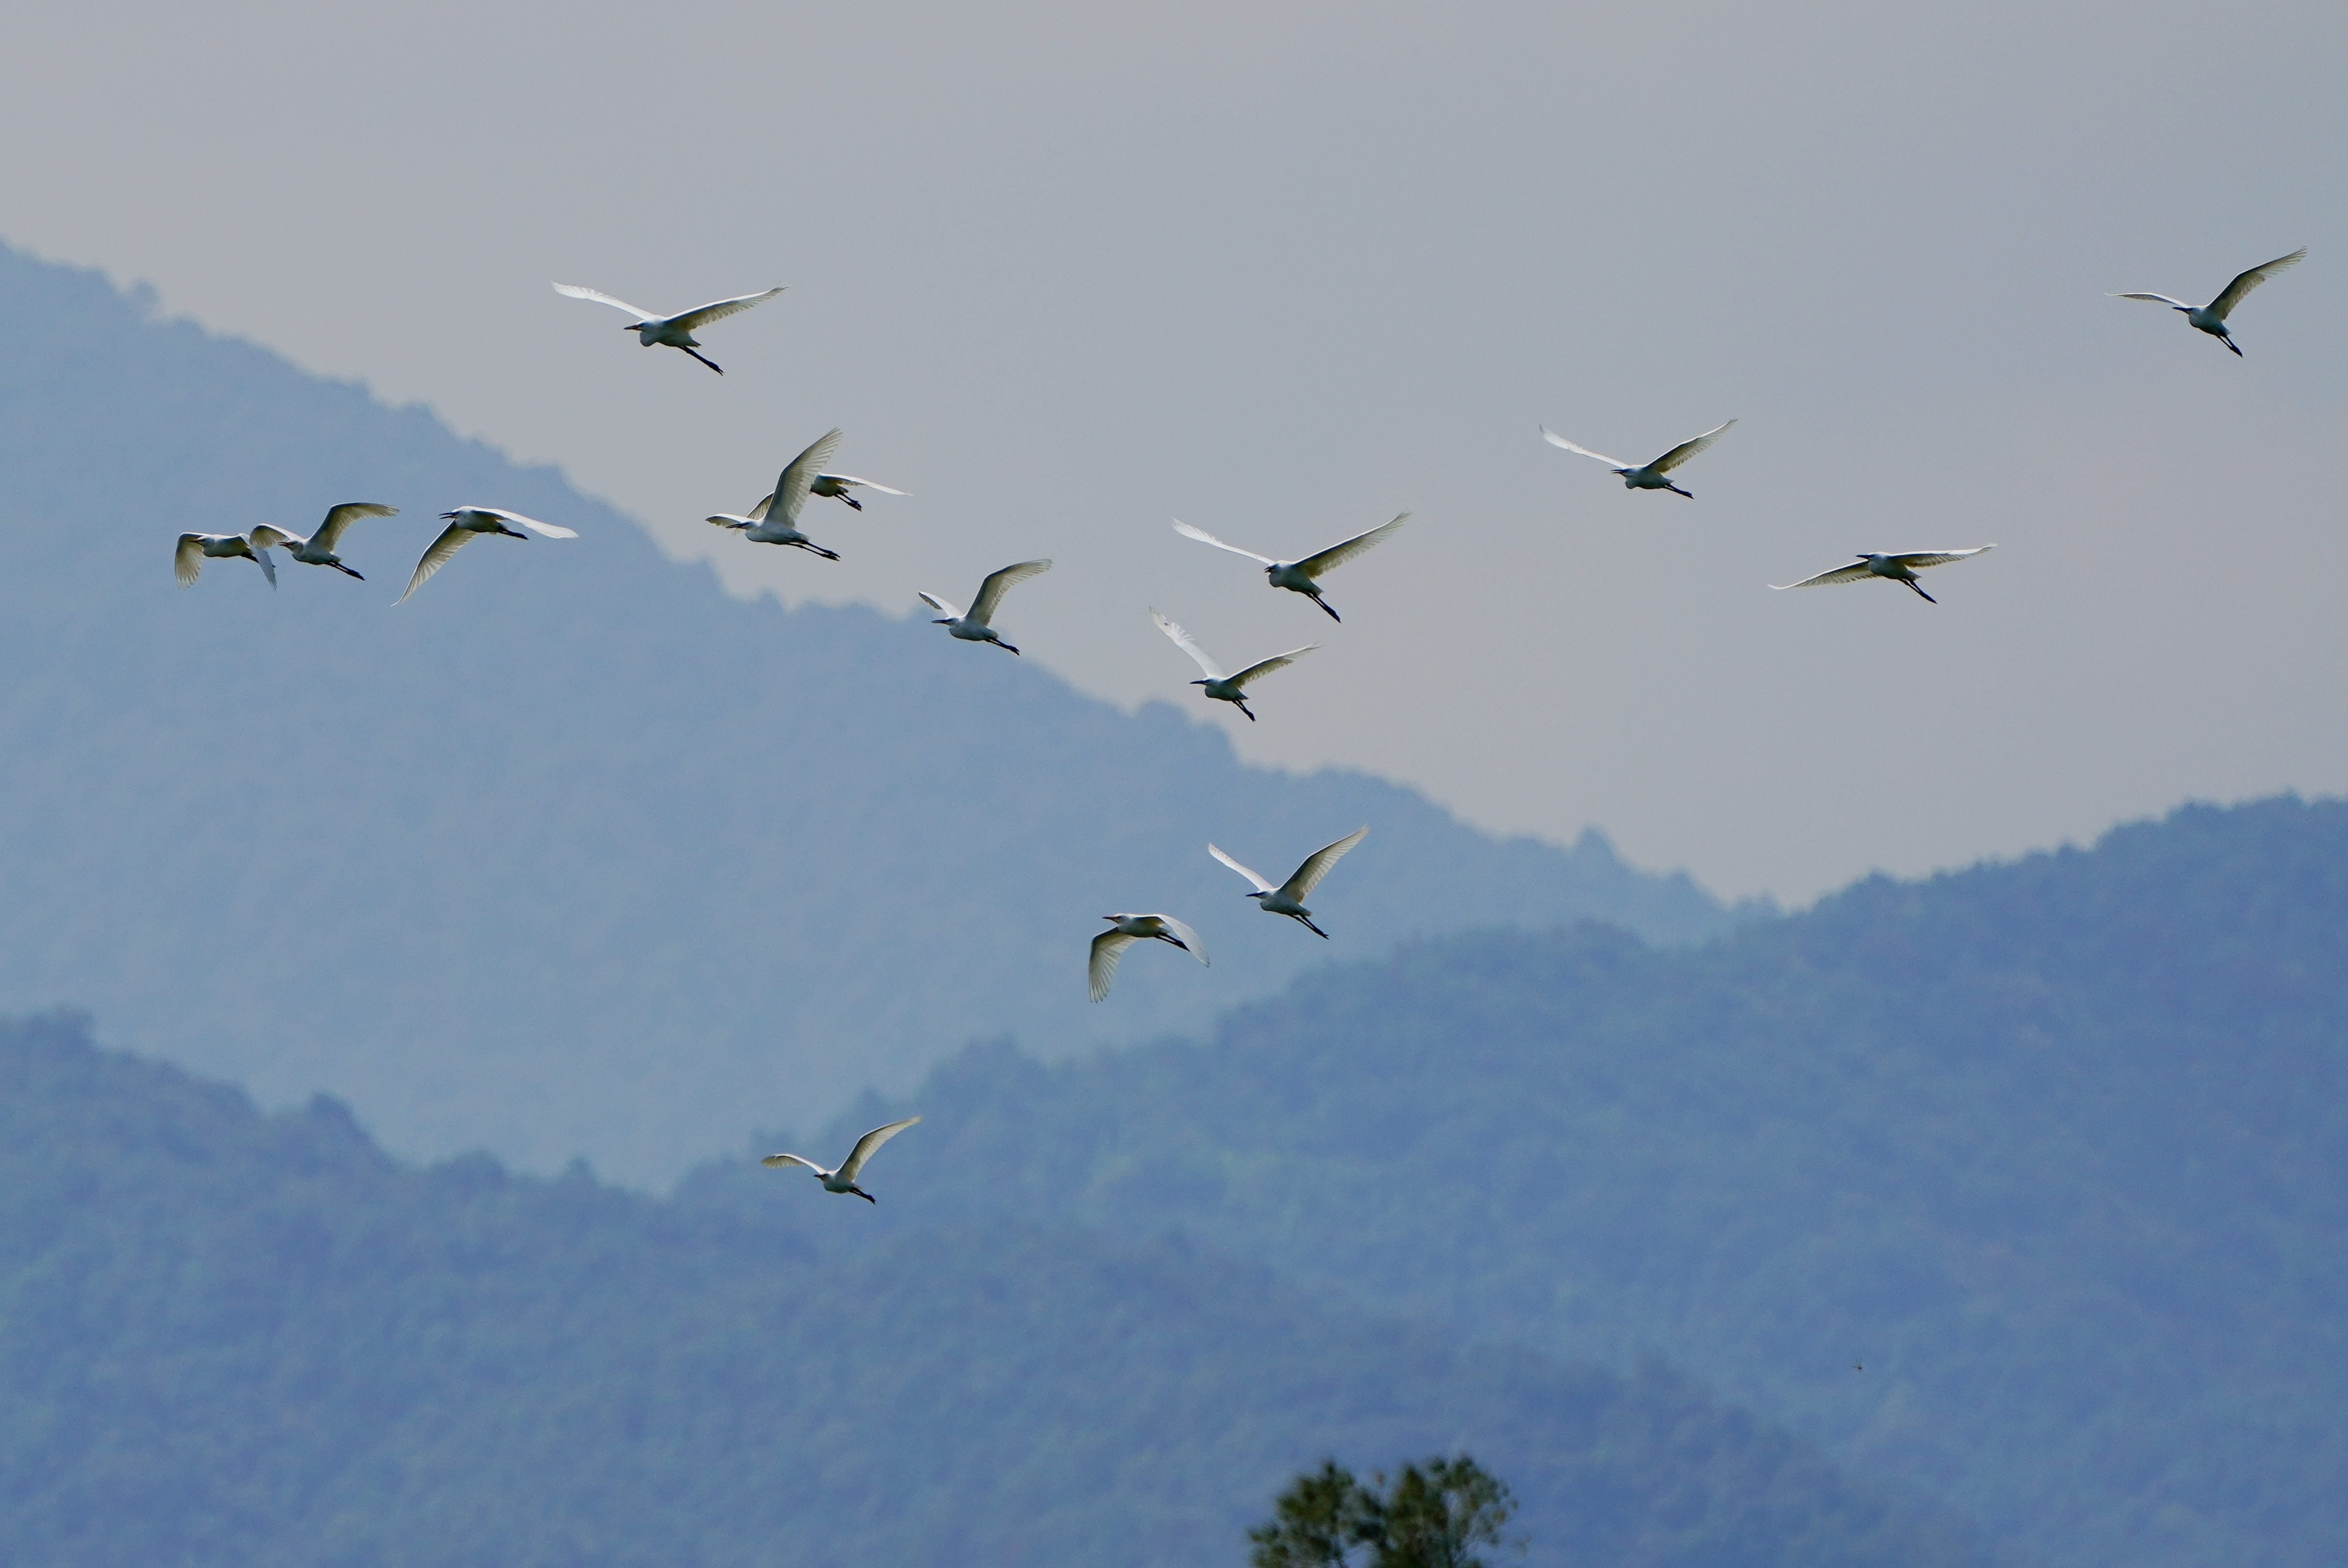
<point x="572" y="853"/>
<point x="2052" y="1148"/>
<point x="231" y="1339"/>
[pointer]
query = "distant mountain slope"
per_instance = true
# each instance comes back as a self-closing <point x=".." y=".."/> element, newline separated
<point x="231" y="1341"/>
<point x="2057" y="1151"/>
<point x="572" y="853"/>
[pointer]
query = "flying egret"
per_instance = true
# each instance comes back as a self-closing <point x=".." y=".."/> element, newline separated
<point x="1650" y="475"/>
<point x="1223" y="688"/>
<point x="318" y="550"/>
<point x="775" y="520"/>
<point x="843" y="1179"/>
<point x="973" y="627"/>
<point x="463" y="524"/>
<point x="2211" y="318"/>
<point x="1288" y="898"/>
<point x="188" y="560"/>
<point x="1124" y="931"/>
<point x="1898" y="567"/>
<point x="675" y="331"/>
<point x="1297" y="575"/>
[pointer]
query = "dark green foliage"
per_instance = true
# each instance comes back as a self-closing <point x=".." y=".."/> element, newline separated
<point x="1434" y="1513"/>
<point x="230" y="1340"/>
<point x="2057" y="1149"/>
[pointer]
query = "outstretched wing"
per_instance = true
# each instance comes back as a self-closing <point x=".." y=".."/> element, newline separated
<point x="718" y="309"/>
<point x="1277" y="661"/>
<point x="1316" y="864"/>
<point x="1851" y="573"/>
<point x="852" y="479"/>
<point x="550" y="530"/>
<point x="2251" y="280"/>
<point x="998" y="583"/>
<point x="452" y="540"/>
<point x="940" y="605"/>
<point x="267" y="562"/>
<point x="1937" y="557"/>
<point x="1686" y="449"/>
<point x="866" y="1144"/>
<point x="268" y="535"/>
<point x="577" y="293"/>
<point x="725" y="522"/>
<point x="1336" y="556"/>
<point x="1108" y="949"/>
<point x="330" y="532"/>
<point x="791" y="490"/>
<point x="1260" y="885"/>
<point x="1190" y="939"/>
<point x="1554" y="439"/>
<point x="1183" y="640"/>
<point x="794" y="1160"/>
<point x="2158" y="299"/>
<point x="1204" y="538"/>
<point x="188" y="560"/>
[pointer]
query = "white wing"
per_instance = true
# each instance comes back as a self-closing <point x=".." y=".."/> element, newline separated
<point x="452" y="540"/>
<point x="342" y="517"/>
<point x="2251" y="279"/>
<point x="758" y="514"/>
<point x="791" y="489"/>
<point x="1182" y="640"/>
<point x="550" y="529"/>
<point x="852" y="479"/>
<point x="1687" y="449"/>
<point x="940" y="605"/>
<point x="1554" y="439"/>
<point x="1190" y="939"/>
<point x="2163" y="299"/>
<point x="1277" y="661"/>
<point x="268" y="562"/>
<point x="726" y="522"/>
<point x="1316" y="864"/>
<point x="1204" y="538"/>
<point x="794" y="1160"/>
<point x="718" y="309"/>
<point x="1259" y="883"/>
<point x="268" y="535"/>
<point x="577" y="293"/>
<point x="1851" y="573"/>
<point x="866" y="1144"/>
<point x="1100" y="971"/>
<point x="1336" y="556"/>
<point x="1937" y="557"/>
<point x="998" y="583"/>
<point x="188" y="560"/>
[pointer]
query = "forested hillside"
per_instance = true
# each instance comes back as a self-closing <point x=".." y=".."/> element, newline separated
<point x="236" y="1341"/>
<point x="571" y="852"/>
<point x="2056" y="1151"/>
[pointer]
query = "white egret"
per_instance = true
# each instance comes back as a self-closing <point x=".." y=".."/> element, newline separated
<point x="1124" y="931"/>
<point x="675" y="331"/>
<point x="188" y="560"/>
<point x="843" y="1179"/>
<point x="1297" y="575"/>
<point x="318" y="550"/>
<point x="1288" y="898"/>
<point x="1645" y="475"/>
<point x="464" y="523"/>
<point x="973" y="627"/>
<point x="2211" y="318"/>
<point x="775" y="520"/>
<point x="1896" y="568"/>
<point x="1223" y="688"/>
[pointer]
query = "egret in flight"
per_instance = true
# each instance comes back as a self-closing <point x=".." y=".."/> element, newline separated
<point x="463" y="524"/>
<point x="775" y="520"/>
<point x="675" y="331"/>
<point x="318" y="550"/>
<point x="843" y="1179"/>
<point x="1288" y="898"/>
<point x="2211" y="318"/>
<point x="1648" y="476"/>
<point x="1124" y="931"/>
<point x="1898" y="569"/>
<point x="188" y="560"/>
<point x="1297" y="575"/>
<point x="973" y="627"/>
<point x="1223" y="688"/>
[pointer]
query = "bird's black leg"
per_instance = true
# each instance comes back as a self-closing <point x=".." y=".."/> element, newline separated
<point x="1240" y="704"/>
<point x="1005" y="646"/>
<point x="851" y="500"/>
<point x="860" y="1193"/>
<point x="1326" y="611"/>
<point x="712" y="363"/>
<point x="1311" y="927"/>
<point x="344" y="571"/>
<point x="1675" y="490"/>
<point x="2229" y="343"/>
<point x="1927" y="597"/>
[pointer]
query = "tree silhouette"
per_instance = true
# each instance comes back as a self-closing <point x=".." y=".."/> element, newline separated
<point x="1434" y="1513"/>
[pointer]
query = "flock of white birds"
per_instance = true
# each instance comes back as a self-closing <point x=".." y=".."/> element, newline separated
<point x="775" y="519"/>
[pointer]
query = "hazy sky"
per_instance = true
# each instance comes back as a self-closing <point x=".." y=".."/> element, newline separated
<point x="1066" y="271"/>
